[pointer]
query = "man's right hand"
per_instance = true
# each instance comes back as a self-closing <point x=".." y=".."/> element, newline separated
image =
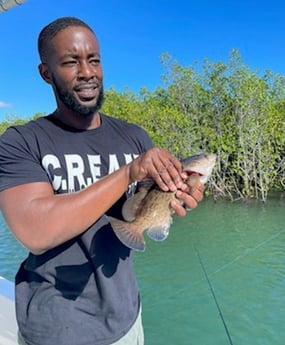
<point x="160" y="165"/>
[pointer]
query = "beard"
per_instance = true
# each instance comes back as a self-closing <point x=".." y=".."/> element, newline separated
<point x="68" y="99"/>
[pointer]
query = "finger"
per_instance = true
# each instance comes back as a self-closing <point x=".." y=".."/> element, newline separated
<point x="187" y="199"/>
<point x="197" y="192"/>
<point x="174" y="169"/>
<point x="178" y="209"/>
<point x="168" y="170"/>
<point x="201" y="187"/>
<point x="163" y="183"/>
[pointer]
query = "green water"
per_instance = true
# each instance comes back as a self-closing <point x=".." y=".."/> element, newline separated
<point x="242" y="248"/>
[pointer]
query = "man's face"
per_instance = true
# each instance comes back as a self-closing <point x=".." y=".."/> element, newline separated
<point x="75" y="70"/>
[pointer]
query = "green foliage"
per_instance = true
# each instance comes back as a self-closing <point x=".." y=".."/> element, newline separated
<point x="14" y="120"/>
<point x="10" y="121"/>
<point x="218" y="107"/>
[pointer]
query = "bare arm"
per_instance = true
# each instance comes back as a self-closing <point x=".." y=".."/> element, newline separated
<point x="42" y="220"/>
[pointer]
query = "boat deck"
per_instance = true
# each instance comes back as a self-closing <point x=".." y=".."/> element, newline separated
<point x="8" y="324"/>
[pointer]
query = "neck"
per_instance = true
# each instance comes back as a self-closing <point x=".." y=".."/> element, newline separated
<point x="84" y="122"/>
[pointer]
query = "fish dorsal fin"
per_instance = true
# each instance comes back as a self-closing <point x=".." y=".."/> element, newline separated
<point x="131" y="206"/>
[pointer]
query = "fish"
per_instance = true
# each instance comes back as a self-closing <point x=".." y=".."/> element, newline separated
<point x="149" y="209"/>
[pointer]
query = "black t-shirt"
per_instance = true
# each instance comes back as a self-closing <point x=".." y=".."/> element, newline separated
<point x="83" y="292"/>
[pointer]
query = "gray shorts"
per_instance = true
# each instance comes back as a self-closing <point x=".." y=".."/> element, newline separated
<point x="135" y="336"/>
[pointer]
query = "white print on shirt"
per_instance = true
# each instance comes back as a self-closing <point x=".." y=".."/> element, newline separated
<point x="76" y="170"/>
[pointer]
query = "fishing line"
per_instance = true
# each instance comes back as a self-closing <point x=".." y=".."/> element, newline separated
<point x="214" y="296"/>
<point x="249" y="251"/>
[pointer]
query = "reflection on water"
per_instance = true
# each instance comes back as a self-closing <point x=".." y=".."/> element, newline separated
<point x="11" y="252"/>
<point x="241" y="246"/>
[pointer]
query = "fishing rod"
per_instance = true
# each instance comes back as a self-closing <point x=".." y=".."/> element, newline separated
<point x="214" y="296"/>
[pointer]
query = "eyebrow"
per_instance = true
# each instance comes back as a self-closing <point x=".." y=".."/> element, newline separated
<point x="75" y="55"/>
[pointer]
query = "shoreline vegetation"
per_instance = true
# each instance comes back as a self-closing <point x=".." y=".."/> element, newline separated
<point x="218" y="107"/>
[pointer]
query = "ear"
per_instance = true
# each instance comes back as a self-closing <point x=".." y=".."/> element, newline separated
<point x="44" y="72"/>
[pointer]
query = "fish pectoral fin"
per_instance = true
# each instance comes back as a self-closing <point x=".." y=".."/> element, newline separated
<point x="159" y="233"/>
<point x="132" y="204"/>
<point x="128" y="234"/>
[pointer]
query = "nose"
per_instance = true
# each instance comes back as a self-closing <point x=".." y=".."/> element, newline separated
<point x="86" y="71"/>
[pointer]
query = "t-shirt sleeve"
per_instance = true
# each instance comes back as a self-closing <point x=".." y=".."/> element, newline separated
<point x="147" y="142"/>
<point x="20" y="163"/>
<point x="144" y="139"/>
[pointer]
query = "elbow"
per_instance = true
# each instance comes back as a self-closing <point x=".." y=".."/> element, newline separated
<point x="35" y="247"/>
<point x="28" y="239"/>
<point x="37" y="251"/>
<point x="34" y="241"/>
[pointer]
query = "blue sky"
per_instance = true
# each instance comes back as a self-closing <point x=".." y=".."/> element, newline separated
<point x="133" y="34"/>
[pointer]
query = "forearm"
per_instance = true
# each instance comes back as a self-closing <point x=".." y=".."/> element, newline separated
<point x="47" y="220"/>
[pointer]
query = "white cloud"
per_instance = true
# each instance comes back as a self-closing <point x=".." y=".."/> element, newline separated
<point x="4" y="105"/>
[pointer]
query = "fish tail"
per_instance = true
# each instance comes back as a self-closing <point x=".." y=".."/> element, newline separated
<point x="128" y="234"/>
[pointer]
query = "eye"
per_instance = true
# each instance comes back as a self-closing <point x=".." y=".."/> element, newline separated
<point x="95" y="61"/>
<point x="69" y="63"/>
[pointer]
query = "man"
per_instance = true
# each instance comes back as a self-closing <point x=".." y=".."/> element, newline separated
<point x="59" y="177"/>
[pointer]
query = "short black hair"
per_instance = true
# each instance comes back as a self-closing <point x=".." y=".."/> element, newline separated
<point x="52" y="29"/>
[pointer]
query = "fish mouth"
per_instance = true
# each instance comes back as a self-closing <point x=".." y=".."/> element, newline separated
<point x="192" y="172"/>
<point x="200" y="165"/>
